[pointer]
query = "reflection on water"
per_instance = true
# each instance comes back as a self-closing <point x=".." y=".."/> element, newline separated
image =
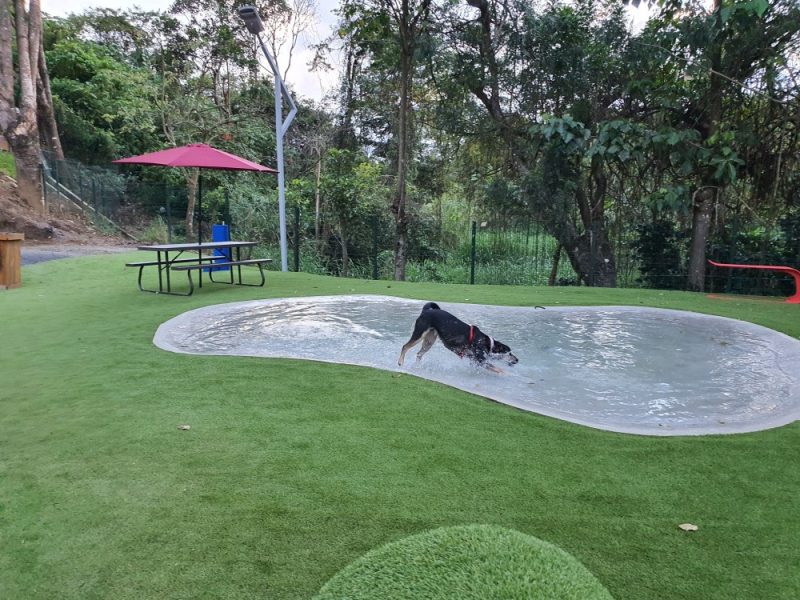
<point x="636" y="370"/>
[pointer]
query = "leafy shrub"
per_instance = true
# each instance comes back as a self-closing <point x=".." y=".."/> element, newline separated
<point x="155" y="232"/>
<point x="657" y="248"/>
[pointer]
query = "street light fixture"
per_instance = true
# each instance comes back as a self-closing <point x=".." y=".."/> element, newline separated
<point x="252" y="20"/>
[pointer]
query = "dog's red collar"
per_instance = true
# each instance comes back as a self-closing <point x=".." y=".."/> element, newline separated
<point x="470" y="337"/>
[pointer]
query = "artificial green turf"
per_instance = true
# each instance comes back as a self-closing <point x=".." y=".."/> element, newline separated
<point x="468" y="562"/>
<point x="292" y="469"/>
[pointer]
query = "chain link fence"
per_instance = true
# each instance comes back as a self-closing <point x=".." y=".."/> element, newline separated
<point x="116" y="201"/>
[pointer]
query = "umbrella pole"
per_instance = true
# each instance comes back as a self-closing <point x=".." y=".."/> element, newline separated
<point x="200" y="222"/>
<point x="200" y="209"/>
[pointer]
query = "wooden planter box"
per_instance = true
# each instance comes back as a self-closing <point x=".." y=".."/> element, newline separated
<point x="10" y="250"/>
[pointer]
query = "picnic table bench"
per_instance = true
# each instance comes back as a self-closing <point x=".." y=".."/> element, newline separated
<point x="180" y="262"/>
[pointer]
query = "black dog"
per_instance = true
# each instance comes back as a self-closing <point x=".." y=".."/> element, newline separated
<point x="463" y="339"/>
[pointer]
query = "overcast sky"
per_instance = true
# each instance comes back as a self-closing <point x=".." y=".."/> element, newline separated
<point x="300" y="79"/>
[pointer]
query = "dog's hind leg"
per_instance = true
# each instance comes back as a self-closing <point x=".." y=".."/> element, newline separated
<point x="421" y="326"/>
<point x="406" y="347"/>
<point x="428" y="340"/>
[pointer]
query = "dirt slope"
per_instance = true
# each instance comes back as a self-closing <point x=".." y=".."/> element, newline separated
<point x="16" y="217"/>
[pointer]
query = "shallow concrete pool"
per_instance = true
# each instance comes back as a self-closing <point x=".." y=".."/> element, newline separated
<point x="626" y="369"/>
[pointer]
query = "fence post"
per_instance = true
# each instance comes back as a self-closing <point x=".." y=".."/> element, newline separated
<point x="374" y="223"/>
<point x="797" y="260"/>
<point x="527" y="235"/>
<point x="731" y="253"/>
<point x="536" y="255"/>
<point x="592" y="261"/>
<point x="472" y="257"/>
<point x="55" y="176"/>
<point x="44" y="186"/>
<point x="296" y="239"/>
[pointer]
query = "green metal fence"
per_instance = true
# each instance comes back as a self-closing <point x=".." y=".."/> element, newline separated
<point x="519" y="253"/>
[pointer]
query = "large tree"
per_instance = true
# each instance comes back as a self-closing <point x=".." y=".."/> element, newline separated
<point x="546" y="78"/>
<point x="18" y="113"/>
<point x="385" y="35"/>
<point x="704" y="68"/>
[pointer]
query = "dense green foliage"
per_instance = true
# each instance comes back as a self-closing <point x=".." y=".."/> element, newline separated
<point x="104" y="107"/>
<point x="555" y="115"/>
<point x="294" y="469"/>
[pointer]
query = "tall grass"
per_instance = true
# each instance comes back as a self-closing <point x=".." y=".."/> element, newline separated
<point x="156" y="232"/>
<point x="501" y="258"/>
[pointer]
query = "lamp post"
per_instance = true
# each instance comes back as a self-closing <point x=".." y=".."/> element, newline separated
<point x="254" y="25"/>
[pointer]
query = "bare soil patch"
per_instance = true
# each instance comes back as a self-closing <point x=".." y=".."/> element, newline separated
<point x="49" y="237"/>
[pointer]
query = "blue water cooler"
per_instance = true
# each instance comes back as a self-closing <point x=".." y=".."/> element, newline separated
<point x="220" y="233"/>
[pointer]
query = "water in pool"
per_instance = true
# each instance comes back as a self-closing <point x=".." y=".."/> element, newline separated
<point x="626" y="369"/>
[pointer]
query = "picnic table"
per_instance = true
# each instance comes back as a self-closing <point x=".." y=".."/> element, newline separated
<point x="189" y="257"/>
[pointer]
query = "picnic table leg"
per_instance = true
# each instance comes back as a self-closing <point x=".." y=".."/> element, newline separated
<point x="238" y="267"/>
<point x="141" y="268"/>
<point x="229" y="256"/>
<point x="158" y="260"/>
<point x="191" y="283"/>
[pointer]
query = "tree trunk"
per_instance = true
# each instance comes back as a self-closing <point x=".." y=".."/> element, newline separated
<point x="399" y="204"/>
<point x="48" y="127"/>
<point x="703" y="204"/>
<point x="551" y="281"/>
<point x="592" y="258"/>
<point x="702" y="210"/>
<point x="192" y="177"/>
<point x="345" y="253"/>
<point x="18" y="119"/>
<point x="29" y="174"/>
<point x="345" y="137"/>
<point x="590" y="253"/>
<point x="317" y="177"/>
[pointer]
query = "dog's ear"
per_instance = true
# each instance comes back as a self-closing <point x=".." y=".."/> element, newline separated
<point x="500" y="348"/>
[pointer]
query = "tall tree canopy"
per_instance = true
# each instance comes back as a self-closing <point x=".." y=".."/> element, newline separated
<point x="647" y="144"/>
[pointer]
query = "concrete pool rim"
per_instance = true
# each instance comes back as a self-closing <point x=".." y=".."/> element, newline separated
<point x="790" y="411"/>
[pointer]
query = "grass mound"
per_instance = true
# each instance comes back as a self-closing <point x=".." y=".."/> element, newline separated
<point x="465" y="562"/>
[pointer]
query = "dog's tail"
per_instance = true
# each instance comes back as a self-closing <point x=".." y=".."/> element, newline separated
<point x="431" y="306"/>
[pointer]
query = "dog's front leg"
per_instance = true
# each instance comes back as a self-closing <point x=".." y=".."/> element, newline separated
<point x="493" y="369"/>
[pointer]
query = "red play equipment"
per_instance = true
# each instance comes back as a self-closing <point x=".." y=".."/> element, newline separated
<point x="794" y="299"/>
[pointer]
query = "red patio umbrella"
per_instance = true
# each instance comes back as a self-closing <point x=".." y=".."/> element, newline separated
<point x="200" y="156"/>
